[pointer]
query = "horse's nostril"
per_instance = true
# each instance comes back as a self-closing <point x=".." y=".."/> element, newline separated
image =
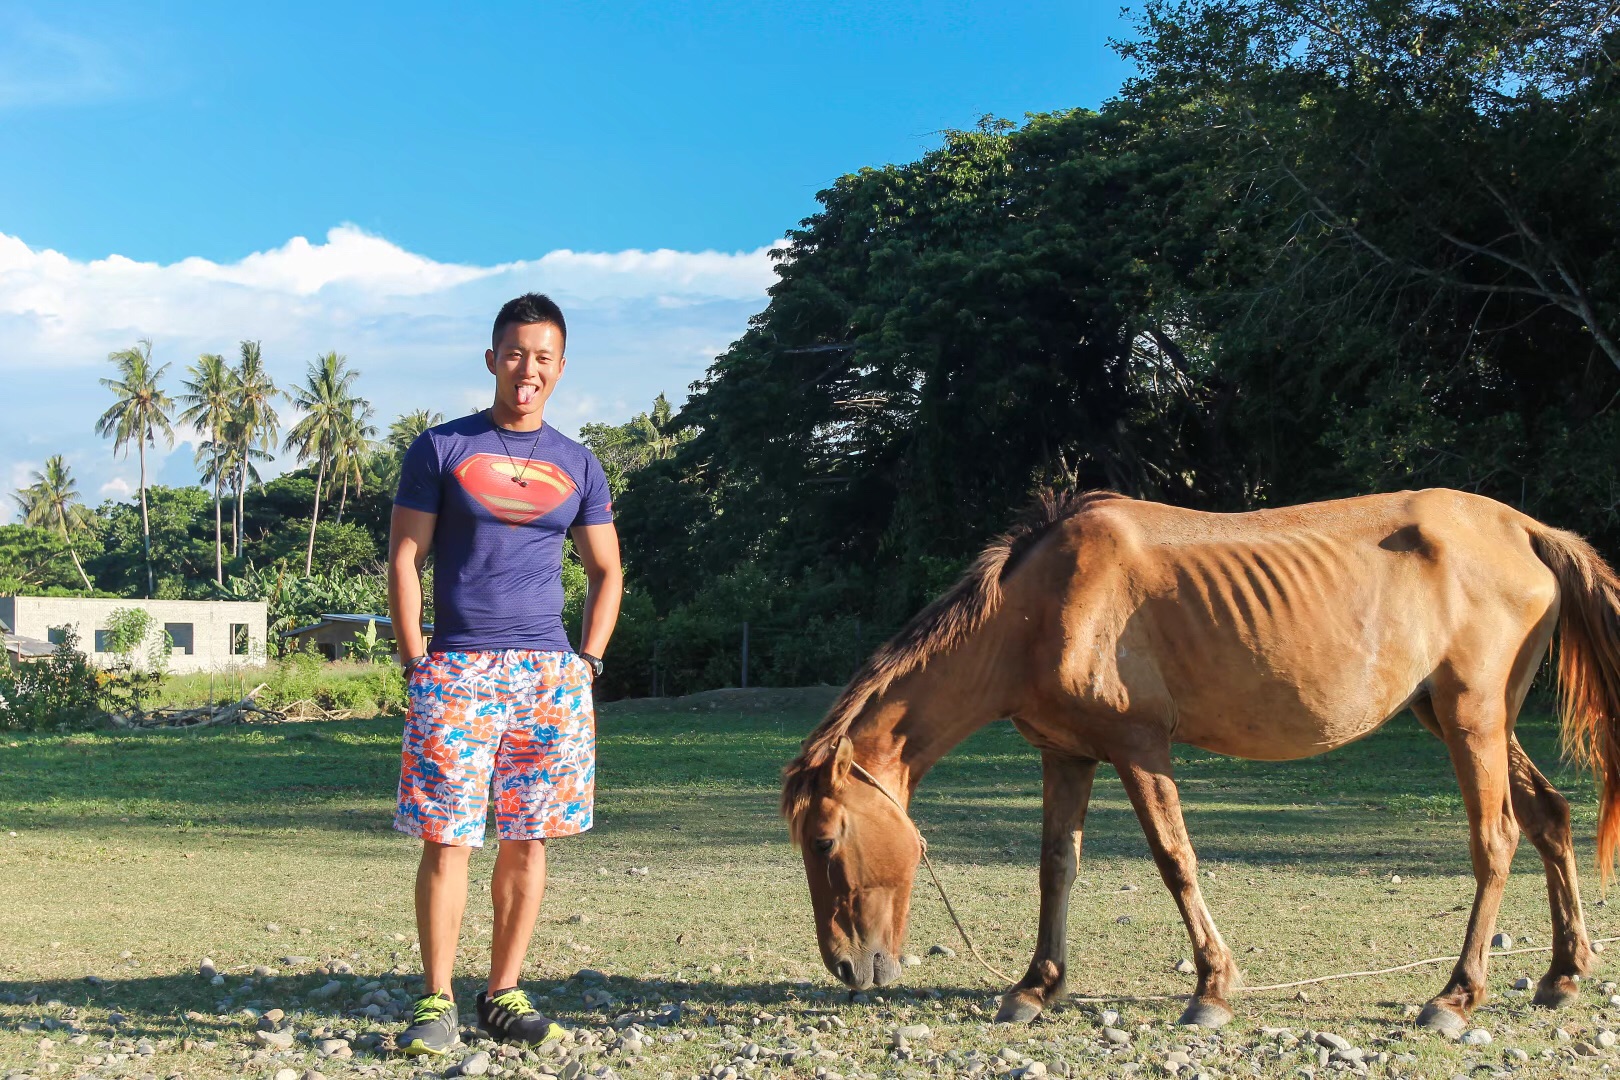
<point x="846" y="971"/>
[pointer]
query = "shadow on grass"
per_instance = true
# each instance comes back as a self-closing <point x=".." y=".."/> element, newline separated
<point x="167" y="1005"/>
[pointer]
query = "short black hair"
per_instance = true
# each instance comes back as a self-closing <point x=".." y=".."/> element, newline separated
<point x="529" y="308"/>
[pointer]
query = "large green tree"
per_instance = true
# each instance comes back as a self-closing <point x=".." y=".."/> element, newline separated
<point x="209" y="400"/>
<point x="254" y="424"/>
<point x="139" y="415"/>
<point x="51" y="502"/>
<point x="333" y="415"/>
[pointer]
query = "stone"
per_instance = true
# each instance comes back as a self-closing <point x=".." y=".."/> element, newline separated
<point x="913" y="1032"/>
<point x="1502" y="941"/>
<point x="1394" y="879"/>
<point x="1332" y="1041"/>
<point x="1606" y="1039"/>
<point x="1516" y="1054"/>
<point x="1110" y="1018"/>
<point x="910" y="959"/>
<point x="329" y="989"/>
<point x="579" y="919"/>
<point x="476" y="1064"/>
<point x="1522" y="983"/>
<point x="638" y="871"/>
<point x="1186" y="967"/>
<point x="206" y="968"/>
<point x="332" y="1047"/>
<point x="1127" y="888"/>
<point x="942" y="950"/>
<point x="272" y="928"/>
<point x="286" y="1074"/>
<point x="1116" y="1036"/>
<point x="313" y="1074"/>
<point x="275" y="1040"/>
<point x="1476" y="1037"/>
<point x="1123" y="920"/>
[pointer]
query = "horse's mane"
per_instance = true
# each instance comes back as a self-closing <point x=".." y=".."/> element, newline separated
<point x="938" y="628"/>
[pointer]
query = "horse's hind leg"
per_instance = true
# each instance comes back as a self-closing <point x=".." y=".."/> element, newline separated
<point x="1544" y="815"/>
<point x="1066" y="783"/>
<point x="1474" y="727"/>
<point x="1158" y="806"/>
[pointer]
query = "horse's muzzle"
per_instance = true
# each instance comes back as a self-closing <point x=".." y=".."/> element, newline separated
<point x="862" y="971"/>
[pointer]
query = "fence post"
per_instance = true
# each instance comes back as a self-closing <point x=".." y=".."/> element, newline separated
<point x="745" y="657"/>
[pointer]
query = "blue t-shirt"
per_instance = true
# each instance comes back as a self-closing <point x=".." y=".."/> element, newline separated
<point x="503" y="512"/>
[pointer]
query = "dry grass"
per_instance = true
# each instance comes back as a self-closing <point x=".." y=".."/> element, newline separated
<point x="174" y="846"/>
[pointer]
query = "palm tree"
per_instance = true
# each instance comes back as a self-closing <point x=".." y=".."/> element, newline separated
<point x="353" y="450"/>
<point x="329" y="411"/>
<point x="209" y="395"/>
<point x="140" y="412"/>
<point x="254" y="424"/>
<point x="404" y="430"/>
<point x="52" y="503"/>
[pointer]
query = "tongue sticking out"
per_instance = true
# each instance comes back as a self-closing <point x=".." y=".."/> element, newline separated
<point x="525" y="394"/>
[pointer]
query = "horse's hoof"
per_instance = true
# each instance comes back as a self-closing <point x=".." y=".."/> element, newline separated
<point x="1018" y="1007"/>
<point x="1556" y="991"/>
<point x="1205" y="1014"/>
<point x="1439" y="1018"/>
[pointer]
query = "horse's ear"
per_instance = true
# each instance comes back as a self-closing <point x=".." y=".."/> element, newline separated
<point x="843" y="758"/>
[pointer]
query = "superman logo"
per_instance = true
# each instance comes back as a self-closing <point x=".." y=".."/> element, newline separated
<point x="516" y="492"/>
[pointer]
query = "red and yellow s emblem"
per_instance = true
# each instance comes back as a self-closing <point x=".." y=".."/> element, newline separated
<point x="516" y="492"/>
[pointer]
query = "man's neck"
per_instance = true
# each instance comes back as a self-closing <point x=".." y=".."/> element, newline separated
<point x="508" y="420"/>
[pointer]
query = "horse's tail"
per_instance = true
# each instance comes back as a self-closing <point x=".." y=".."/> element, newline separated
<point x="1588" y="670"/>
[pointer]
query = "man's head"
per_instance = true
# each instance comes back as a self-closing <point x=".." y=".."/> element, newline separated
<point x="526" y="354"/>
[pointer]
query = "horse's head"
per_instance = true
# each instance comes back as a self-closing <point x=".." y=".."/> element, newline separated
<point x="860" y="854"/>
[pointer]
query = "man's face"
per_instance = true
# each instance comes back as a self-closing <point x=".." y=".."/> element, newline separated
<point x="526" y="364"/>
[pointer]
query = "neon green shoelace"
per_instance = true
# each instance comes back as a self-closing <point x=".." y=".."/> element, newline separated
<point x="516" y="1001"/>
<point x="430" y="1008"/>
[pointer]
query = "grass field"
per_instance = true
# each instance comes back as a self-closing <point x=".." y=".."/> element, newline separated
<point x="125" y="859"/>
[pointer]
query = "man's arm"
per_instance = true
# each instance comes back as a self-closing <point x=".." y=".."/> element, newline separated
<point x="598" y="547"/>
<point x="410" y="537"/>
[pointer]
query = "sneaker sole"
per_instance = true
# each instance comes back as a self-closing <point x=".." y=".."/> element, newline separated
<point x="418" y="1048"/>
<point x="553" y="1033"/>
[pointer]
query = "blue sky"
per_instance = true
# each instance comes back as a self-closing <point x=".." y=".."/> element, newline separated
<point x="158" y="167"/>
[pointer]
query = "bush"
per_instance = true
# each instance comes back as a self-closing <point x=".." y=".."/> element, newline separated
<point x="60" y="693"/>
<point x="362" y="689"/>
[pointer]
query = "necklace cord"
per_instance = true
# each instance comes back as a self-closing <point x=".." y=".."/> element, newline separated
<point x="1007" y="979"/>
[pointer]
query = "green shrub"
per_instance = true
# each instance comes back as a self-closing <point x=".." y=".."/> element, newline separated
<point x="62" y="692"/>
<point x="362" y="689"/>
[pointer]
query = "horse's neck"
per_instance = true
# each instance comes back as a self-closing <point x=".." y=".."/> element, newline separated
<point x="922" y="716"/>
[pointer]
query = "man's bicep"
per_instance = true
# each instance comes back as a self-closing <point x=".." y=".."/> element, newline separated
<point x="410" y="533"/>
<point x="598" y="546"/>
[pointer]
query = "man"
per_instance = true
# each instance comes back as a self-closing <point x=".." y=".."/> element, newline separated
<point x="501" y="700"/>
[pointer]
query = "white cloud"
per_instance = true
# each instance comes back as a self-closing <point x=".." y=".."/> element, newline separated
<point x="640" y="323"/>
<point x="117" y="488"/>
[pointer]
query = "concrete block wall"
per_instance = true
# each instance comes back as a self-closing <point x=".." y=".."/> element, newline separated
<point x="209" y="623"/>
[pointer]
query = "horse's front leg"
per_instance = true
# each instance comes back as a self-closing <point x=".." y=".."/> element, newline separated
<point x="1066" y="791"/>
<point x="1153" y="793"/>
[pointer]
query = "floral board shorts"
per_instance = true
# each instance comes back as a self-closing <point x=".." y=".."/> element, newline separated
<point x="518" y="721"/>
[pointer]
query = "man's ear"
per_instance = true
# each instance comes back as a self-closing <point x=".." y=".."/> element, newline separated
<point x="843" y="758"/>
<point x="489" y="360"/>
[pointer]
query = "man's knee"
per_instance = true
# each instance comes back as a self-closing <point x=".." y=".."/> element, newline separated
<point x="444" y="856"/>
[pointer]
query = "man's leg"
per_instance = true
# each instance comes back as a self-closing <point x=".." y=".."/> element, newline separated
<point x="441" y="899"/>
<point x="517" y="888"/>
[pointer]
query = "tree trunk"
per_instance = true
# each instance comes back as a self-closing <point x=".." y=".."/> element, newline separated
<point x="241" y="489"/>
<point x="219" y="541"/>
<point x="61" y="518"/>
<point x="315" y="516"/>
<point x="146" y="525"/>
<point x="343" y="500"/>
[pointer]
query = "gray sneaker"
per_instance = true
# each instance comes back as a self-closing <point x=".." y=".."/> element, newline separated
<point x="435" y="1028"/>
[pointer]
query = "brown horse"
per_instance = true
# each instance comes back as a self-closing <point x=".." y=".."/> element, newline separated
<point x="1109" y="629"/>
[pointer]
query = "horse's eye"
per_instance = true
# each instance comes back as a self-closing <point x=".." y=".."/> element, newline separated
<point x="824" y="845"/>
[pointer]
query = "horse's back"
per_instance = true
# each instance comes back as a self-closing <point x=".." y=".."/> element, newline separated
<point x="1283" y="632"/>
